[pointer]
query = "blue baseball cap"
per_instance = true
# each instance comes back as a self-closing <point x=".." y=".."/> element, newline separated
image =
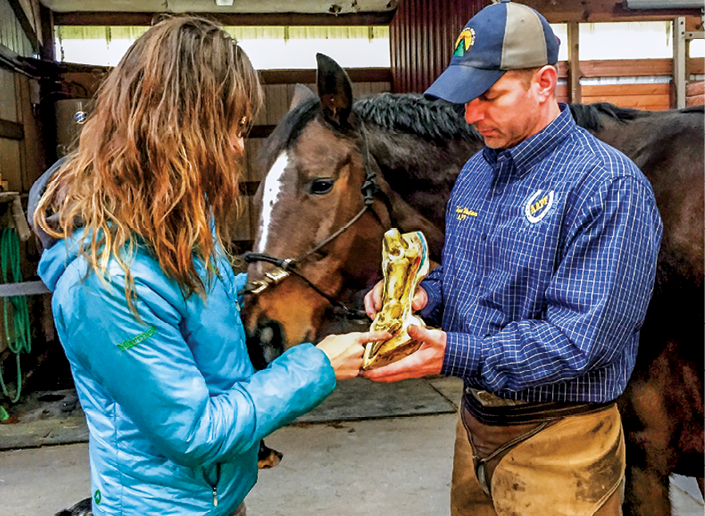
<point x="502" y="36"/>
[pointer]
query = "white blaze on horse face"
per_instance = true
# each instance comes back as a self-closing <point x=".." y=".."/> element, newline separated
<point x="272" y="189"/>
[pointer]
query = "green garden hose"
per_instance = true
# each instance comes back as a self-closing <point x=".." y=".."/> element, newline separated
<point x="17" y="305"/>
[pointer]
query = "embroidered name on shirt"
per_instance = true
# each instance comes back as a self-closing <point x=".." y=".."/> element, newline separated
<point x="127" y="344"/>
<point x="464" y="213"/>
<point x="538" y="206"/>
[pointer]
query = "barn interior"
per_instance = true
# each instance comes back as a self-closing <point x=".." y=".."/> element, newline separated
<point x="44" y="100"/>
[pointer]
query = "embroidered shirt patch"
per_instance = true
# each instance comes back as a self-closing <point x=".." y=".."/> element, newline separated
<point x="538" y="206"/>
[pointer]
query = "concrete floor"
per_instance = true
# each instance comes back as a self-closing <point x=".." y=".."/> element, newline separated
<point x="398" y="466"/>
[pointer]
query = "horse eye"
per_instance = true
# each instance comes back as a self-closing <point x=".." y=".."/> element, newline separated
<point x="321" y="186"/>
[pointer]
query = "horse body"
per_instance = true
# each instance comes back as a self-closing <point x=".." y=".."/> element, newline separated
<point x="416" y="149"/>
<point x="663" y="407"/>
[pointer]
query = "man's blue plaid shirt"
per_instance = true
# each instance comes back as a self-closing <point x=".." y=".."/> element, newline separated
<point x="548" y="267"/>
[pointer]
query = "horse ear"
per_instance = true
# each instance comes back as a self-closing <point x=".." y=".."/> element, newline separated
<point x="301" y="93"/>
<point x="335" y="90"/>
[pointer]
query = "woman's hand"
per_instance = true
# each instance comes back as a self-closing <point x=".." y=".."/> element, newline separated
<point x="345" y="351"/>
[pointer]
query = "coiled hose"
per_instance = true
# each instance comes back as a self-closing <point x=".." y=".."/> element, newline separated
<point x="18" y="340"/>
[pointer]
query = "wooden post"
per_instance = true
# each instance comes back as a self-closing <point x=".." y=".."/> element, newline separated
<point x="574" y="74"/>
<point x="48" y="51"/>
<point x="679" y="59"/>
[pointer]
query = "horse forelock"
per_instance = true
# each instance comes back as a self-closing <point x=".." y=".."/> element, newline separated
<point x="413" y="114"/>
<point x="288" y="130"/>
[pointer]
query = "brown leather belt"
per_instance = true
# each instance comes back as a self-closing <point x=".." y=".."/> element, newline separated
<point x="493" y="410"/>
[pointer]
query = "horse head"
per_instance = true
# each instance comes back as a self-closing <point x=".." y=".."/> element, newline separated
<point x="321" y="201"/>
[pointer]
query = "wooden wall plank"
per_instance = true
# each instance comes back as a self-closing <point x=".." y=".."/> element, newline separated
<point x="11" y="130"/>
<point x="695" y="100"/>
<point x="8" y="106"/>
<point x="10" y="163"/>
<point x="33" y="144"/>
<point x="627" y="67"/>
<point x="233" y="19"/>
<point x="593" y="90"/>
<point x="651" y="102"/>
<point x="309" y="76"/>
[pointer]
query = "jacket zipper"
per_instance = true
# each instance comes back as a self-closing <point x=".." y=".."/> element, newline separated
<point x="215" y="486"/>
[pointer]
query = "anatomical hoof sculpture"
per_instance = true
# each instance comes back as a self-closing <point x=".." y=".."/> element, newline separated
<point x="404" y="265"/>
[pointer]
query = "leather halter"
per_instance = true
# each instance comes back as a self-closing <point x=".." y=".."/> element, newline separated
<point x="370" y="189"/>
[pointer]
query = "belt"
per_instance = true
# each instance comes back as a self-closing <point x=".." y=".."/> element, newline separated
<point x="493" y="410"/>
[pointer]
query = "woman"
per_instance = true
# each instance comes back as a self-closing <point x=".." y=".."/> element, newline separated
<point x="145" y="301"/>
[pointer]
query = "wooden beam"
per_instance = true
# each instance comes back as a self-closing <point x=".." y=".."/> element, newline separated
<point x="11" y="130"/>
<point x="309" y="76"/>
<point x="228" y="19"/>
<point x="574" y="72"/>
<point x="565" y="11"/>
<point x="26" y="25"/>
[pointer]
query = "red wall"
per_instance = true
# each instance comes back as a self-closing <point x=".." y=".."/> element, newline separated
<point x="422" y="35"/>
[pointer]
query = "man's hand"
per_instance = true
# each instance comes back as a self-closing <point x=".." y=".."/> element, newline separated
<point x="373" y="300"/>
<point x="427" y="360"/>
<point x="345" y="351"/>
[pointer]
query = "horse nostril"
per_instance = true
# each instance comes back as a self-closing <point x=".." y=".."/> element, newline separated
<point x="266" y="335"/>
<point x="271" y="353"/>
<point x="265" y="344"/>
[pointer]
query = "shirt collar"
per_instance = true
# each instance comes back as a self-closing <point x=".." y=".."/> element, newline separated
<point x="525" y="155"/>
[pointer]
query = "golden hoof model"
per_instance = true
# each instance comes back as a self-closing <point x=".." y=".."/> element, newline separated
<point x="404" y="265"/>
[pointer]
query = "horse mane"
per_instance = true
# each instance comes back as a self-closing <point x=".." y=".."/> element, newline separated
<point x="400" y="113"/>
<point x="693" y="109"/>
<point x="589" y="116"/>
<point x="413" y="114"/>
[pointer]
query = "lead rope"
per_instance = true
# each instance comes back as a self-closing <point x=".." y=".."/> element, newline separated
<point x="21" y="341"/>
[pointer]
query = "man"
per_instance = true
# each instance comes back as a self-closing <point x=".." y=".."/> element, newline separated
<point x="548" y="266"/>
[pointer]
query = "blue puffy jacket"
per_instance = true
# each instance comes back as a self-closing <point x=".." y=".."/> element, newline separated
<point x="174" y="407"/>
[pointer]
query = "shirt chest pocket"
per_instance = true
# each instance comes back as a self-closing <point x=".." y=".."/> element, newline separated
<point x="526" y="238"/>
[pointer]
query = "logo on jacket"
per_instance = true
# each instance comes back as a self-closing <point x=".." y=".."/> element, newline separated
<point x="131" y="343"/>
<point x="538" y="206"/>
<point x="463" y="213"/>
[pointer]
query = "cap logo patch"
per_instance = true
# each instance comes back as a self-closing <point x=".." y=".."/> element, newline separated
<point x="538" y="206"/>
<point x="464" y="42"/>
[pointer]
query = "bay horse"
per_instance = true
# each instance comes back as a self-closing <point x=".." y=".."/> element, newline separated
<point x="340" y="172"/>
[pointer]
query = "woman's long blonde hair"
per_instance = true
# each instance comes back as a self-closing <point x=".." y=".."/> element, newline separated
<point x="156" y="162"/>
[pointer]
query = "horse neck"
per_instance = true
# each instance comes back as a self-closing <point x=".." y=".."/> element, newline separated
<point x="420" y="171"/>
